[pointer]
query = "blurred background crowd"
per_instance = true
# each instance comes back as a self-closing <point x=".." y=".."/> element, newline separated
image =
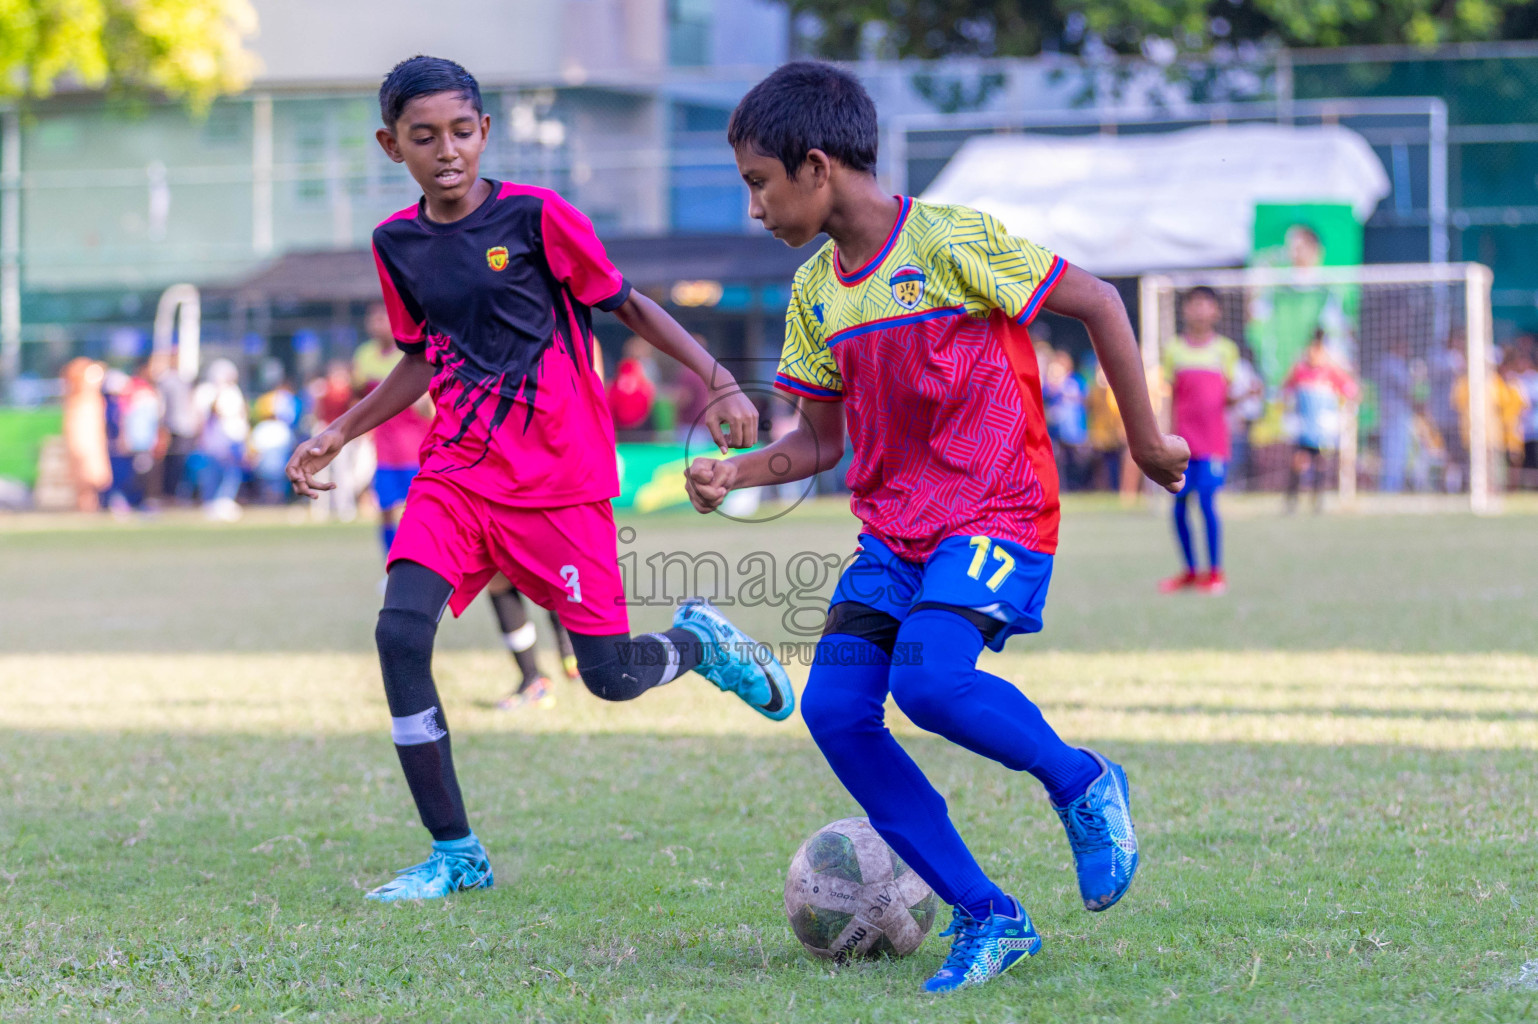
<point x="236" y="194"/>
<point x="138" y="437"/>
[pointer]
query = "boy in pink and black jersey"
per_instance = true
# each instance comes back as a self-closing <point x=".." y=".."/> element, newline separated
<point x="489" y="288"/>
<point x="1199" y="367"/>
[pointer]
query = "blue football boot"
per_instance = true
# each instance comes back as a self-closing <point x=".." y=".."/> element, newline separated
<point x="981" y="950"/>
<point x="455" y="866"/>
<point x="735" y="662"/>
<point x="1099" y="826"/>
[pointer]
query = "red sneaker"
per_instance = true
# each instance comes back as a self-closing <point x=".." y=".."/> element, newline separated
<point x="1213" y="582"/>
<point x="1184" y="581"/>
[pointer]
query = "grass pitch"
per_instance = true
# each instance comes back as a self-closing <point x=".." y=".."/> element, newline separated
<point x="1333" y="771"/>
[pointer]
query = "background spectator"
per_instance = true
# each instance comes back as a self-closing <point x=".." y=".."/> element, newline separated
<point x="1396" y="385"/>
<point x="398" y="440"/>
<point x="1317" y="386"/>
<point x="178" y="424"/>
<point x="632" y="392"/>
<point x="332" y="395"/>
<point x="85" y="431"/>
<point x="1513" y="410"/>
<point x="117" y="495"/>
<point x="1064" y="399"/>
<point x="1246" y="406"/>
<point x="273" y="437"/>
<point x="691" y="397"/>
<point x="139" y="436"/>
<point x="222" y="407"/>
<point x="1444" y="371"/>
<point x="1525" y="381"/>
<point x="133" y="432"/>
<point x="1503" y="417"/>
<point x="1107" y="436"/>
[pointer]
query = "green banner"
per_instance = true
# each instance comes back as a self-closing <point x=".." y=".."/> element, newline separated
<point x="22" y="432"/>
<point x="1281" y="320"/>
<point x="651" y="476"/>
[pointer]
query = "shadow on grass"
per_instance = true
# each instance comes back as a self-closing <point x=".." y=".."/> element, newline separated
<point x="1314" y="711"/>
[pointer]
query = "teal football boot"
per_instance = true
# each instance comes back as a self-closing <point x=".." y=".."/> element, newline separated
<point x="456" y="865"/>
<point x="735" y="662"/>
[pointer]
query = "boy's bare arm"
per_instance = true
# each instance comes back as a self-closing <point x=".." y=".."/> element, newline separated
<point x="729" y="405"/>
<point x="1162" y="457"/>
<point x="402" y="388"/>
<point x="814" y="446"/>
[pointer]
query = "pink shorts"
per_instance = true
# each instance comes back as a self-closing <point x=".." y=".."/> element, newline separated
<point x="565" y="559"/>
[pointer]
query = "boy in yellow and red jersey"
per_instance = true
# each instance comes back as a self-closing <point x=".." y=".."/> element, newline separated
<point x="1199" y="367"/>
<point x="911" y="325"/>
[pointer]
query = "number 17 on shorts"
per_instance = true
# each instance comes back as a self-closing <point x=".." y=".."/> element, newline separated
<point x="999" y="578"/>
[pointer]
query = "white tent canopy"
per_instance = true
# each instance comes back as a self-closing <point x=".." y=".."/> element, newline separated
<point x="1125" y="204"/>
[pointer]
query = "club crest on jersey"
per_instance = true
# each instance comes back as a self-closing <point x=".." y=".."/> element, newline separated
<point x="908" y="286"/>
<point x="496" y="257"/>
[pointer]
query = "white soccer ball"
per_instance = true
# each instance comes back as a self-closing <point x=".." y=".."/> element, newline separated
<point x="850" y="895"/>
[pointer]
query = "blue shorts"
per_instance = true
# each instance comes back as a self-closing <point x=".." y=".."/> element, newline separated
<point x="999" y="578"/>
<point x="391" y="484"/>
<point x="1204" y="475"/>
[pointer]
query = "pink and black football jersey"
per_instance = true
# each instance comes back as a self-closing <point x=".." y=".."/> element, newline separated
<point x="500" y="301"/>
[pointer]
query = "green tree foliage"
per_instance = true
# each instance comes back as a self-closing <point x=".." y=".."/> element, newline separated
<point x="932" y="28"/>
<point x="194" y="49"/>
<point x="937" y="28"/>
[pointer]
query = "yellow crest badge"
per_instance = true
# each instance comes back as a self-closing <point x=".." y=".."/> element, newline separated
<point x="908" y="286"/>
<point x="496" y="257"/>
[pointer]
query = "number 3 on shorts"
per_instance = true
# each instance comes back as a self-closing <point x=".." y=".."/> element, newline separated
<point x="569" y="577"/>
<point x="980" y="547"/>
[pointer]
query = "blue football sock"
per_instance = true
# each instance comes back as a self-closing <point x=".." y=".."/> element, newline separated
<point x="844" y="707"/>
<point x="1183" y="529"/>
<point x="942" y="690"/>
<point x="387" y="537"/>
<point x="1208" y="493"/>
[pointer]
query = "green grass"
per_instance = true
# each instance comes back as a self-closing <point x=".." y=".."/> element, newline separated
<point x="1334" y="775"/>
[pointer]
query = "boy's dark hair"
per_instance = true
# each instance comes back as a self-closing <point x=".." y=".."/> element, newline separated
<point x="423" y="76"/>
<point x="806" y="105"/>
<point x="1203" y="291"/>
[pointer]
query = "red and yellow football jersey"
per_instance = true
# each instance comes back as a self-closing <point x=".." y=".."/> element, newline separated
<point x="927" y="346"/>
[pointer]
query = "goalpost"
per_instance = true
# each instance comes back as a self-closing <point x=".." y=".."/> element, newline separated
<point x="1408" y="333"/>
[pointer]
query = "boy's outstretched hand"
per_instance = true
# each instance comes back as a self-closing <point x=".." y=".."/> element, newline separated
<point x="1165" y="462"/>
<point x="310" y="458"/>
<point x="740" y="417"/>
<point x="707" y="482"/>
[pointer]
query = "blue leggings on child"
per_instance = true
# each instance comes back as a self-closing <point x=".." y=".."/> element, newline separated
<point x="938" y="686"/>
<point x="1205" y="477"/>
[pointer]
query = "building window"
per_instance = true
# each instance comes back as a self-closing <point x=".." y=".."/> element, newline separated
<point x="689" y="32"/>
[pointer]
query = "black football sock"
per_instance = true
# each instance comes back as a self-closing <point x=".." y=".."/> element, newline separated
<point x="620" y="668"/>
<point x="415" y="597"/>
<point x="562" y="638"/>
<point x="518" y="633"/>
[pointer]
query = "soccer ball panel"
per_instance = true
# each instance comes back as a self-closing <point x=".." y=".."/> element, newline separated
<point x="818" y="928"/>
<point x="849" y="895"/>
<point x="833" y="853"/>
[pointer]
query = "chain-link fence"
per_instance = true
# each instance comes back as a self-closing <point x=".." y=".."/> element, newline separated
<point x="110" y="202"/>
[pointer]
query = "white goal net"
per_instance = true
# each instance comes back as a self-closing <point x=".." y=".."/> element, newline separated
<point x="1404" y="337"/>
